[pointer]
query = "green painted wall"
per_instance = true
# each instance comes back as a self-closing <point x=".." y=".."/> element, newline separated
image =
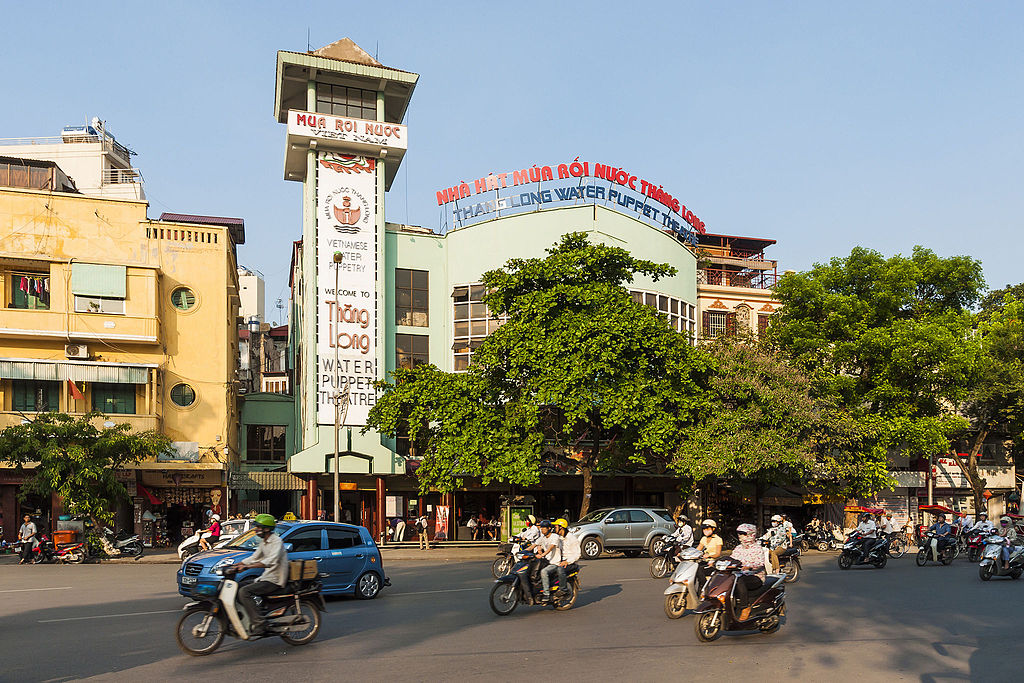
<point x="267" y="409"/>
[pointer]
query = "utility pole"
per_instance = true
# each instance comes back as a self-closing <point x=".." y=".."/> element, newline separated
<point x="337" y="388"/>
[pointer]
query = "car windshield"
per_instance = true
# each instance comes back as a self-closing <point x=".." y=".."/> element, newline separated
<point x="664" y="514"/>
<point x="247" y="541"/>
<point x="594" y="516"/>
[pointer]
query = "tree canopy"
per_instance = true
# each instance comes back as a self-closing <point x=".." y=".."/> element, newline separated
<point x="72" y="457"/>
<point x="579" y="367"/>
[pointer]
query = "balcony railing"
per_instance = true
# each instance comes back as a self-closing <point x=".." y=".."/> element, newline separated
<point x="118" y="176"/>
<point x="71" y="138"/>
<point x="732" y="278"/>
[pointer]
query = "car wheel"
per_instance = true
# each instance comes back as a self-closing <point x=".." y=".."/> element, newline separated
<point x="591" y="548"/>
<point x="368" y="586"/>
<point x="656" y="545"/>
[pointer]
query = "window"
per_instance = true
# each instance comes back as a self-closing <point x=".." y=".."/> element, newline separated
<point x="411" y="350"/>
<point x="340" y="100"/>
<point x="678" y="313"/>
<point x="30" y="290"/>
<point x="183" y="298"/>
<point x="718" y="323"/>
<point x="183" y="395"/>
<point x="619" y="517"/>
<point x="762" y="323"/>
<point x="339" y="539"/>
<point x="473" y="322"/>
<point x="639" y="516"/>
<point x="305" y="540"/>
<point x="411" y="292"/>
<point x="98" y="304"/>
<point x="265" y="443"/>
<point x="113" y="399"/>
<point x="33" y="396"/>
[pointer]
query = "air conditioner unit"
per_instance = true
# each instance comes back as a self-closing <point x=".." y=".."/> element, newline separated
<point x="76" y="351"/>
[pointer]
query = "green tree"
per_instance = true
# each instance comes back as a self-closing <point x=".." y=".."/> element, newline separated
<point x="579" y="366"/>
<point x="889" y="341"/>
<point x="72" y="457"/>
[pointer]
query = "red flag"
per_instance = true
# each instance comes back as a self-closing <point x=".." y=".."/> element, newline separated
<point x="76" y="393"/>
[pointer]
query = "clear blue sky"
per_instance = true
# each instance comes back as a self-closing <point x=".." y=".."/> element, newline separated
<point x="823" y="125"/>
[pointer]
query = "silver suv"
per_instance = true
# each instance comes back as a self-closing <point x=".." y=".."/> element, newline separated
<point x="629" y="529"/>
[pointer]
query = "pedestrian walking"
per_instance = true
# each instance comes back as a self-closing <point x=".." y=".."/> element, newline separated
<point x="421" y="528"/>
<point x="27" y="536"/>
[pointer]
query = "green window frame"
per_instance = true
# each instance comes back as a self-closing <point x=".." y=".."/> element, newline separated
<point x="266" y="443"/>
<point x="183" y="395"/>
<point x="35" y="396"/>
<point x="183" y="299"/>
<point x="26" y="299"/>
<point x="113" y="399"/>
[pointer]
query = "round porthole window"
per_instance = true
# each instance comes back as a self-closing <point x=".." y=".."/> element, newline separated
<point x="183" y="298"/>
<point x="183" y="395"/>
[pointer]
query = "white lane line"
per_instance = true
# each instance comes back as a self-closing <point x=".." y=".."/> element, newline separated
<point x="109" y="616"/>
<point x="644" y="578"/>
<point x="29" y="590"/>
<point x="446" y="590"/>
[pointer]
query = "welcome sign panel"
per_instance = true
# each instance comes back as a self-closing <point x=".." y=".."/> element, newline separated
<point x="346" y="222"/>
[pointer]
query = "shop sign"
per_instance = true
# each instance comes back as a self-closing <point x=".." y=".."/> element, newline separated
<point x="346" y="223"/>
<point x="441" y="523"/>
<point x="174" y="478"/>
<point x="180" y="451"/>
<point x="342" y="129"/>
<point x="948" y="474"/>
<point x="538" y="187"/>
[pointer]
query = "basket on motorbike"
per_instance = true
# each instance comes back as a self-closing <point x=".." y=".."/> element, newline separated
<point x="505" y="549"/>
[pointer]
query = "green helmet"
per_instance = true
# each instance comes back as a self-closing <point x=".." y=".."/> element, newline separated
<point x="266" y="520"/>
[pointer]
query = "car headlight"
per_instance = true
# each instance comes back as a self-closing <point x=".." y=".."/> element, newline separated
<point x="222" y="563"/>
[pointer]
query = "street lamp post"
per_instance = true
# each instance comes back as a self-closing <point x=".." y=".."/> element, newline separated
<point x="337" y="389"/>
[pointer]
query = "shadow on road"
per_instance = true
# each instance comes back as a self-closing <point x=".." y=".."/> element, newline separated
<point x="596" y="594"/>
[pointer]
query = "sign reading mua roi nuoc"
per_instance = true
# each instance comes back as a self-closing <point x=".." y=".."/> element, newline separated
<point x="346" y="222"/>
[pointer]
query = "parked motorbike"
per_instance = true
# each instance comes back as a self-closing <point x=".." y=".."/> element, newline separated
<point x="683" y="591"/>
<point x="853" y="552"/>
<point x="122" y="542"/>
<point x="664" y="561"/>
<point x="293" y="613"/>
<point x="507" y="557"/>
<point x="719" y="612"/>
<point x="947" y="550"/>
<point x="509" y="590"/>
<point x="822" y="538"/>
<point x="992" y="559"/>
<point x="44" y="552"/>
<point x="71" y="553"/>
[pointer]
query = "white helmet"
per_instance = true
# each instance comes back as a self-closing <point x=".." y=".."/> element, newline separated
<point x="215" y="518"/>
<point x="776" y="518"/>
<point x="709" y="523"/>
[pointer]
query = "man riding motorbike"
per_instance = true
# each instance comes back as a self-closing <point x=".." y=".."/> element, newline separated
<point x="571" y="553"/>
<point x="943" y="531"/>
<point x="1007" y="531"/>
<point x="778" y="539"/>
<point x="868" y="531"/>
<point x="271" y="555"/>
<point x="983" y="525"/>
<point x="683" y="535"/>
<point x="751" y="555"/>
<point x="548" y="546"/>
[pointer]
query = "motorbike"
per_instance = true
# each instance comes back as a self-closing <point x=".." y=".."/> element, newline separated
<point x="44" y="552"/>
<point x="293" y="613"/>
<point x="992" y="560"/>
<point x="947" y="553"/>
<point x="664" y="561"/>
<point x="508" y="555"/>
<point x="683" y="591"/>
<point x="853" y="552"/>
<point x="509" y="590"/>
<point x="71" y="553"/>
<point x="789" y="563"/>
<point x="801" y="541"/>
<point x="822" y="538"/>
<point x="122" y="542"/>
<point x="975" y="545"/>
<point x="719" y="612"/>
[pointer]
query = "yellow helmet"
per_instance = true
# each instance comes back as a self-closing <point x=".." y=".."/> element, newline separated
<point x="562" y="522"/>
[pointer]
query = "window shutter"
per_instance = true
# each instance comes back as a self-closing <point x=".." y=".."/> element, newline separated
<point x="730" y="323"/>
<point x="92" y="279"/>
<point x="705" y="324"/>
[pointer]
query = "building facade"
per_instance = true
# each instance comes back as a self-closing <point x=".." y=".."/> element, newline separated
<point x="106" y="310"/>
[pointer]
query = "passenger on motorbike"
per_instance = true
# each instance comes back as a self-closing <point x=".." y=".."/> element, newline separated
<point x="683" y="535"/>
<point x="531" y="533"/>
<point x="271" y="555"/>
<point x="778" y="538"/>
<point x="751" y="555"/>
<point x="548" y="546"/>
<point x="571" y="553"/>
<point x="983" y="525"/>
<point x="1007" y="531"/>
<point x="868" y="531"/>
<point x="944" y="532"/>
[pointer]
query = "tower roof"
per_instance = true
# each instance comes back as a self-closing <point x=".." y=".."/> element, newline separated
<point x="347" y="51"/>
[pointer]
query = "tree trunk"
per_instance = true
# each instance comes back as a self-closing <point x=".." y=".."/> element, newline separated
<point x="970" y="470"/>
<point x="588" y="485"/>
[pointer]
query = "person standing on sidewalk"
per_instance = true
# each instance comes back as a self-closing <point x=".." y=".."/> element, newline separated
<point x="399" y="530"/>
<point x="27" y="536"/>
<point x="421" y="527"/>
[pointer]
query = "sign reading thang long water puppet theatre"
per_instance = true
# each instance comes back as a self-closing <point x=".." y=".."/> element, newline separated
<point x="346" y="222"/>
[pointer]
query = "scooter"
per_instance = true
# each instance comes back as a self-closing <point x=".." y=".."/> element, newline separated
<point x="789" y="563"/>
<point x="71" y="553"/>
<point x="976" y="541"/>
<point x="947" y="551"/>
<point x="123" y="543"/>
<point x="719" y="612"/>
<point x="44" y="552"/>
<point x="992" y="559"/>
<point x="853" y="552"/>
<point x="509" y="590"/>
<point x="508" y="555"/>
<point x="293" y="613"/>
<point x="664" y="561"/>
<point x="683" y="590"/>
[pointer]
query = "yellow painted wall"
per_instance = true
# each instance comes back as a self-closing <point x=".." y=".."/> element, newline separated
<point x="198" y="347"/>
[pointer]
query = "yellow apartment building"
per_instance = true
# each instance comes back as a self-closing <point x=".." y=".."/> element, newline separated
<point x="103" y="309"/>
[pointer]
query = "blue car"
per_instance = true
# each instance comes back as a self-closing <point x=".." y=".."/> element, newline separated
<point x="347" y="558"/>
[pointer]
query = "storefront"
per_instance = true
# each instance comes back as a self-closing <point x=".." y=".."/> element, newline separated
<point x="170" y="505"/>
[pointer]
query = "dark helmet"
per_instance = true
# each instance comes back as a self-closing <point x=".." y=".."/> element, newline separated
<point x="544" y="524"/>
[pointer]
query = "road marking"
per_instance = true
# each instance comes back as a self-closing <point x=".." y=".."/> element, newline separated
<point x="28" y="590"/>
<point x="109" y="616"/>
<point x="643" y="578"/>
<point x="445" y="590"/>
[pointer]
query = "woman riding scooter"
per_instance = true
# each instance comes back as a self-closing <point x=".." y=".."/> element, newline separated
<point x="711" y="545"/>
<point x="750" y="553"/>
<point x="1007" y="531"/>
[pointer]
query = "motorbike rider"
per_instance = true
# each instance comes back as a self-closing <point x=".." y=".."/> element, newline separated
<point x="943" y="531"/>
<point x="548" y="546"/>
<point x="273" y="558"/>
<point x="751" y="555"/>
<point x="711" y="545"/>
<point x="868" y="531"/>
<point x="683" y="535"/>
<point x="531" y="533"/>
<point x="1007" y="531"/>
<point x="571" y="552"/>
<point x="778" y="538"/>
<point x="213" y="533"/>
<point x="983" y="525"/>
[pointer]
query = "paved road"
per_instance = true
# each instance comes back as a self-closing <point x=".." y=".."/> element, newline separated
<point x="901" y="623"/>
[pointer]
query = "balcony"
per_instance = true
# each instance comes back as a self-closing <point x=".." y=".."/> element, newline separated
<point x="139" y="423"/>
<point x="749" y="279"/>
<point x="35" y="324"/>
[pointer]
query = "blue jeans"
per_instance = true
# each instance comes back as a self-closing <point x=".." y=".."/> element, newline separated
<point x="545" y="577"/>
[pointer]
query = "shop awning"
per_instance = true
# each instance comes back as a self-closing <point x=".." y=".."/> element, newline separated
<point x="116" y="373"/>
<point x="267" y="481"/>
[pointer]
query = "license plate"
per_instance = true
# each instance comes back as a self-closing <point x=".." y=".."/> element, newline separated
<point x="188" y="580"/>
